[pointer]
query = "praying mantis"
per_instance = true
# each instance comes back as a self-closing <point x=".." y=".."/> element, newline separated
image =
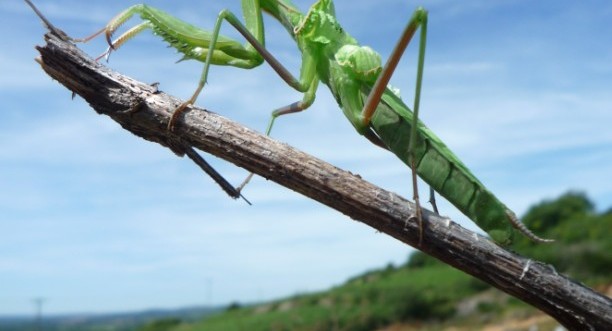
<point x="356" y="78"/>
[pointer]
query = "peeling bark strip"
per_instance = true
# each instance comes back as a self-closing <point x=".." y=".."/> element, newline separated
<point x="142" y="110"/>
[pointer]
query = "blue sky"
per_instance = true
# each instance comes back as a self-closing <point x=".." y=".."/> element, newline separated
<point x="95" y="220"/>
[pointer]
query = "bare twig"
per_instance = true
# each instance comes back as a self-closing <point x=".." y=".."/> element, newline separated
<point x="142" y="110"/>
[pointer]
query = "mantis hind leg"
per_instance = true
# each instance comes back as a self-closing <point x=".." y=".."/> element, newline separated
<point x="418" y="20"/>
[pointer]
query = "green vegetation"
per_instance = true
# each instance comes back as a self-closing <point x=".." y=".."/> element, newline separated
<point x="161" y="325"/>
<point x="364" y="303"/>
<point x="584" y="248"/>
<point x="427" y="291"/>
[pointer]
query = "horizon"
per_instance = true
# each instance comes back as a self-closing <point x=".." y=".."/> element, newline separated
<point x="101" y="221"/>
<point x="32" y="315"/>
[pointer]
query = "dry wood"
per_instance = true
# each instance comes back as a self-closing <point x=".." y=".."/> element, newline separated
<point x="142" y="110"/>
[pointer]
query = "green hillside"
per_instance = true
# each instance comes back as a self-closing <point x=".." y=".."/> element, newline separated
<point x="427" y="294"/>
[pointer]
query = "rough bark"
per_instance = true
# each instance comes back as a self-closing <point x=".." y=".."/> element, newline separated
<point x="142" y="110"/>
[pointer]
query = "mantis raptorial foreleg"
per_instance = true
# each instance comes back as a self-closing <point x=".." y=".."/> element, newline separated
<point x="252" y="54"/>
<point x="419" y="19"/>
<point x="253" y="33"/>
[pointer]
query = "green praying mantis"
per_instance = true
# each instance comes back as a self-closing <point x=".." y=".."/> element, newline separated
<point x="358" y="81"/>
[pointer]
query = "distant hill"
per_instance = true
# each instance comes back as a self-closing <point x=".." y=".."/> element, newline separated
<point x="128" y="321"/>
<point x="425" y="294"/>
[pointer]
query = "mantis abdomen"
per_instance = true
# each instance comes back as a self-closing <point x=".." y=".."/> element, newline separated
<point x="443" y="171"/>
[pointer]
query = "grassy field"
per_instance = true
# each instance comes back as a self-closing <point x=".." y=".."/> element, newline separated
<point x="364" y="303"/>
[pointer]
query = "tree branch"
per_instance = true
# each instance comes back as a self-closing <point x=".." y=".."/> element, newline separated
<point x="142" y="110"/>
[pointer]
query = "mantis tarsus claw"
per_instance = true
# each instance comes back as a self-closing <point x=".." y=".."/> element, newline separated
<point x="175" y="115"/>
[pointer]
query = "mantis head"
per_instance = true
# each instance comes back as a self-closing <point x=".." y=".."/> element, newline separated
<point x="319" y="25"/>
